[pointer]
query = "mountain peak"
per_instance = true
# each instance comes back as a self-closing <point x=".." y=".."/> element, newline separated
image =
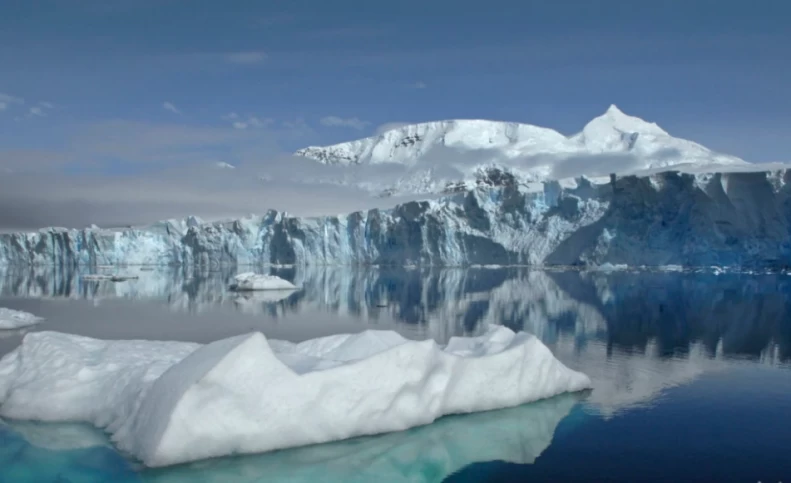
<point x="614" y="111"/>
<point x="607" y="130"/>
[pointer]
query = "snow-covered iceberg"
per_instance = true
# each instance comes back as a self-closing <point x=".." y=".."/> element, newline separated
<point x="723" y="219"/>
<point x="16" y="319"/>
<point x="172" y="402"/>
<point x="250" y="281"/>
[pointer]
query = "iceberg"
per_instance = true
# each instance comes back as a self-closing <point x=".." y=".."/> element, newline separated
<point x="173" y="402"/>
<point x="249" y="281"/>
<point x="16" y="319"/>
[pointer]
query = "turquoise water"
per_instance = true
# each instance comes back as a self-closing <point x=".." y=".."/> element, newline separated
<point x="691" y="373"/>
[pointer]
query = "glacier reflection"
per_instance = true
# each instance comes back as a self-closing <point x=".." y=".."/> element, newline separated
<point x="635" y="334"/>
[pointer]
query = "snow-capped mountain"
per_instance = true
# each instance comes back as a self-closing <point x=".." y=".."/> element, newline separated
<point x="435" y="155"/>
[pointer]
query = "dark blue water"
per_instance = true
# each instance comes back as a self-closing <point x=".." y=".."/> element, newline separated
<point x="691" y="372"/>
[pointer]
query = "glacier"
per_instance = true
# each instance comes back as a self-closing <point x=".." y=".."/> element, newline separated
<point x="734" y="217"/>
<point x="254" y="395"/>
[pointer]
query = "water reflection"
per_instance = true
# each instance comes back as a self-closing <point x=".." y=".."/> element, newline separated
<point x="425" y="454"/>
<point x="669" y="315"/>
<point x="635" y="334"/>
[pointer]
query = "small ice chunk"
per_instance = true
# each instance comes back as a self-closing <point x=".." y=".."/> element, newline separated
<point x="253" y="281"/>
<point x="16" y="319"/>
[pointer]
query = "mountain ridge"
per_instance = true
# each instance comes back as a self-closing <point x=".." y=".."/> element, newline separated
<point x="437" y="153"/>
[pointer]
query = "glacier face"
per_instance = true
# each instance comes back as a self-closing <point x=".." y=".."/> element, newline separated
<point x="736" y="218"/>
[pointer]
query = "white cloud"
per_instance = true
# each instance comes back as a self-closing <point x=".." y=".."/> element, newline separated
<point x="6" y="100"/>
<point x="169" y="106"/>
<point x="37" y="111"/>
<point x="238" y="122"/>
<point x="352" y="122"/>
<point x="246" y="58"/>
<point x="419" y="85"/>
<point x="256" y="122"/>
<point x="46" y="105"/>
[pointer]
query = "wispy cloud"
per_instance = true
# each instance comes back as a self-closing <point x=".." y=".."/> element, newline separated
<point x="239" y="122"/>
<point x="419" y="85"/>
<point x="246" y="58"/>
<point x="169" y="106"/>
<point x="38" y="110"/>
<point x="6" y="100"/>
<point x="352" y="122"/>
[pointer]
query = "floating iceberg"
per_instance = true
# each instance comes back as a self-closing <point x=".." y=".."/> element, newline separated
<point x="253" y="281"/>
<point x="16" y="319"/>
<point x="174" y="402"/>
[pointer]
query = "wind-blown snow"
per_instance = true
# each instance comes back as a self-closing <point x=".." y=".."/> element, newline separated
<point x="249" y="281"/>
<point x="440" y="154"/>
<point x="16" y="319"/>
<point x="252" y="395"/>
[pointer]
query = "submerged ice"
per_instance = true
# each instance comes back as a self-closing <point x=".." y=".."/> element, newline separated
<point x="172" y="402"/>
<point x="427" y="453"/>
<point x="723" y="219"/>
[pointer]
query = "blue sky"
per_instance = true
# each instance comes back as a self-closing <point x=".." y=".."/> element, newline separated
<point x="129" y="86"/>
<point x="714" y="71"/>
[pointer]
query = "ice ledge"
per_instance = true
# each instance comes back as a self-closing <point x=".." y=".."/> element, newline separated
<point x="171" y="402"/>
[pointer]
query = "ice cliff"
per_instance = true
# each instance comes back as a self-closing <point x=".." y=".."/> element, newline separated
<point x="729" y="218"/>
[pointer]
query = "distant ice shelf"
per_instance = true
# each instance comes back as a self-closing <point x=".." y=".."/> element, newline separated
<point x="172" y="402"/>
<point x="726" y="219"/>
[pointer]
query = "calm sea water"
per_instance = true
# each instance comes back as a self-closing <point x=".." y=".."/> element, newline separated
<point x="691" y="372"/>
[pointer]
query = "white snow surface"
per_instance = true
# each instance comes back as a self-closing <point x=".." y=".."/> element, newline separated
<point x="252" y="281"/>
<point x="452" y="151"/>
<point x="173" y="402"/>
<point x="16" y="319"/>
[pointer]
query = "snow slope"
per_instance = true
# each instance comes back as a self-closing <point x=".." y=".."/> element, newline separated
<point x="252" y="395"/>
<point x="736" y="218"/>
<point x="443" y="153"/>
